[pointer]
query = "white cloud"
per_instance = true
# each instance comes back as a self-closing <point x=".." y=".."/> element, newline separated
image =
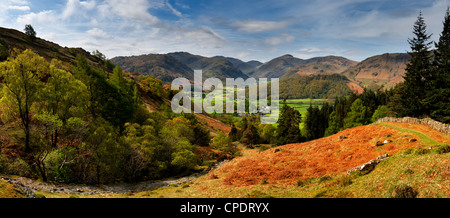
<point x="76" y="7"/>
<point x="174" y="11"/>
<point x="259" y="26"/>
<point x="135" y="10"/>
<point x="99" y="34"/>
<point x="278" y="40"/>
<point x="43" y="17"/>
<point x="19" y="8"/>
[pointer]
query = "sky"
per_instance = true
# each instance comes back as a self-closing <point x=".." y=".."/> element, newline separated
<point x="249" y="30"/>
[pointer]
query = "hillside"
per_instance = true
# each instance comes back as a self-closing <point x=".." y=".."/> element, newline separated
<point x="13" y="39"/>
<point x="163" y="67"/>
<point x="167" y="67"/>
<point x="319" y="168"/>
<point x="321" y="65"/>
<point x="386" y="69"/>
<point x="212" y="66"/>
<point x="323" y="86"/>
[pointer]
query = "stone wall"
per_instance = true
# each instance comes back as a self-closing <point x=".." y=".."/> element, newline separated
<point x="438" y="126"/>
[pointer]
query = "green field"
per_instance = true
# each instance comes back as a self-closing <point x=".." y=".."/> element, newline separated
<point x="299" y="104"/>
<point x="302" y="105"/>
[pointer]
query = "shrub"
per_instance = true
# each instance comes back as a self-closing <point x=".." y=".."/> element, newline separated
<point x="421" y="151"/>
<point x="324" y="178"/>
<point x="40" y="196"/>
<point x="257" y="194"/>
<point x="301" y="183"/>
<point x="403" y="191"/>
<point x="345" y="181"/>
<point x="442" y="149"/>
<point x="321" y="194"/>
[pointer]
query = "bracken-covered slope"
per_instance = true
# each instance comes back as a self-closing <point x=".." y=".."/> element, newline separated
<point x="329" y="155"/>
<point x="319" y="168"/>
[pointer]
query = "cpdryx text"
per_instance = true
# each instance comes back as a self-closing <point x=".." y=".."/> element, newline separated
<point x="228" y="208"/>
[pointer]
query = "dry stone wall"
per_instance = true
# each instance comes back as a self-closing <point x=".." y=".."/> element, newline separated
<point x="438" y="126"/>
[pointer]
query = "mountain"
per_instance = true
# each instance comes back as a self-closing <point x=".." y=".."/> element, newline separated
<point x="321" y="65"/>
<point x="160" y="66"/>
<point x="167" y="67"/>
<point x="218" y="67"/>
<point x="13" y="39"/>
<point x="276" y="67"/>
<point x="246" y="67"/>
<point x="386" y="69"/>
<point x="288" y="66"/>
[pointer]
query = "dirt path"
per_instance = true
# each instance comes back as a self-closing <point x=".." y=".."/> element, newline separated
<point x="30" y="186"/>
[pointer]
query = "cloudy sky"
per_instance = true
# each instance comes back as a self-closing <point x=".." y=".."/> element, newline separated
<point x="249" y="30"/>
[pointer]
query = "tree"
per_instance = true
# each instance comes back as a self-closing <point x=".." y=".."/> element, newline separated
<point x="417" y="71"/>
<point x="117" y="78"/>
<point x="250" y="136"/>
<point x="29" y="31"/>
<point x="438" y="82"/>
<point x="105" y="99"/>
<point x="223" y="143"/>
<point x="62" y="96"/>
<point x="358" y="115"/>
<point x="316" y="121"/>
<point x="23" y="76"/>
<point x="333" y="125"/>
<point x="288" y="130"/>
<point x="233" y="135"/>
<point x="269" y="133"/>
<point x="380" y="112"/>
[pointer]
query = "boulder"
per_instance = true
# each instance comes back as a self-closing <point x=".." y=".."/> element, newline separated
<point x="369" y="166"/>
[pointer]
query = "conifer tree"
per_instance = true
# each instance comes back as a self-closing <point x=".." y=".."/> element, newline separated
<point x="439" y="81"/>
<point x="417" y="71"/>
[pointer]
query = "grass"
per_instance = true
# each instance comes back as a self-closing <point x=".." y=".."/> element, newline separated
<point x="423" y="138"/>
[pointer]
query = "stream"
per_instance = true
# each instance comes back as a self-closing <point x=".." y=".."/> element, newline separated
<point x="30" y="186"/>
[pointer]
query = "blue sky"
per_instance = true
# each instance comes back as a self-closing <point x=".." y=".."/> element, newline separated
<point x="248" y="30"/>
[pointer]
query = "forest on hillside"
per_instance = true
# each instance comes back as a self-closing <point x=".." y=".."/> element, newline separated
<point x="314" y="86"/>
<point x="80" y="124"/>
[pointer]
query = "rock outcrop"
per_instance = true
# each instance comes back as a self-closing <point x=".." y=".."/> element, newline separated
<point x="369" y="166"/>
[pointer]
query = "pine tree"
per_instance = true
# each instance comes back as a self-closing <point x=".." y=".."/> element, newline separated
<point x="438" y="82"/>
<point x="288" y="126"/>
<point x="417" y="71"/>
